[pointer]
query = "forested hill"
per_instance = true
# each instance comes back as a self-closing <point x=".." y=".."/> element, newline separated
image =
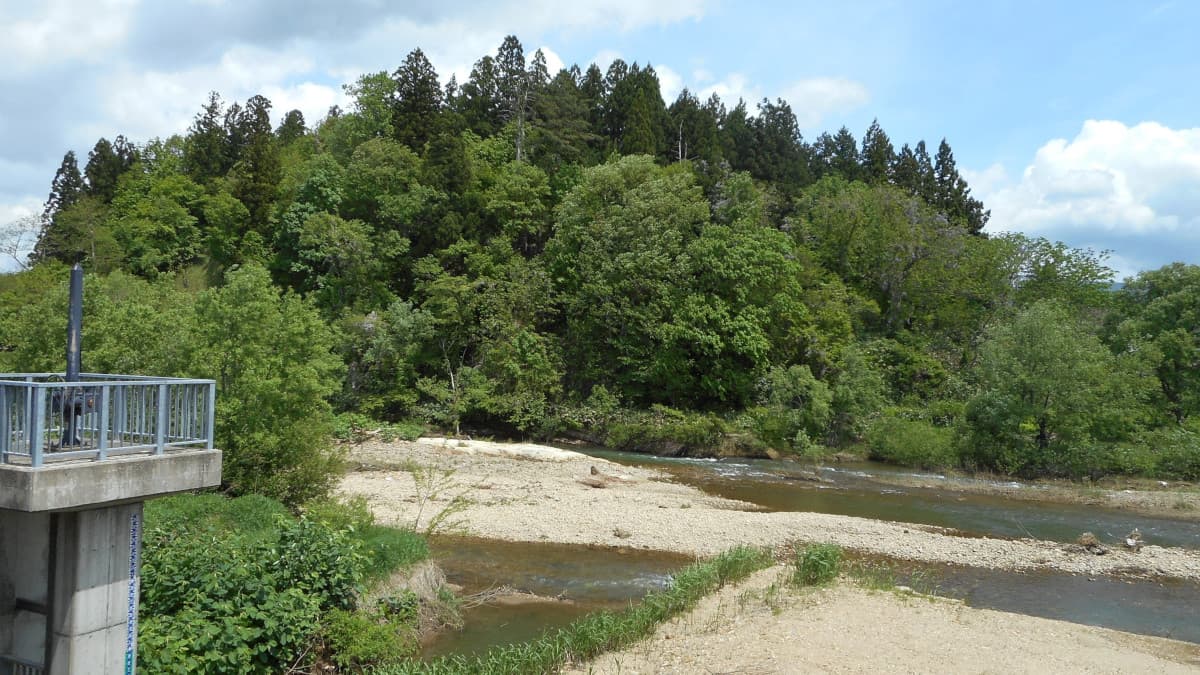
<point x="532" y="253"/>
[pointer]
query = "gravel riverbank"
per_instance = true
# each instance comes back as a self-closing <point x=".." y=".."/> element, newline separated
<point x="526" y="492"/>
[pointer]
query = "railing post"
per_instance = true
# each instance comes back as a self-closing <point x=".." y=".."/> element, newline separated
<point x="5" y="433"/>
<point x="38" y="421"/>
<point x="103" y="430"/>
<point x="160" y="435"/>
<point x="210" y="415"/>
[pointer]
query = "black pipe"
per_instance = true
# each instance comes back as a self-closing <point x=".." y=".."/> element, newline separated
<point x="75" y="325"/>
<point x="51" y="589"/>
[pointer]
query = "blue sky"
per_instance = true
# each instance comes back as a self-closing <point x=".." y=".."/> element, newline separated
<point x="1077" y="121"/>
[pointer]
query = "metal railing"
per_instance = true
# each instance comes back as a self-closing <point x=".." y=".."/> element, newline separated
<point x="10" y="665"/>
<point x="44" y="419"/>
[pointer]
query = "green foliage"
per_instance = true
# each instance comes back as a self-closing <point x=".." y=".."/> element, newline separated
<point x="484" y="257"/>
<point x="326" y="563"/>
<point x="859" y="391"/>
<point x="241" y="586"/>
<point x="367" y="638"/>
<point x="1159" y="312"/>
<point x="911" y="442"/>
<point x="816" y="564"/>
<point x="1175" y="452"/>
<point x="272" y="358"/>
<point x="1049" y="390"/>
<point x="794" y="407"/>
<point x="667" y="431"/>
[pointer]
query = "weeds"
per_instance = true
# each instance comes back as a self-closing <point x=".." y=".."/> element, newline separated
<point x="884" y="576"/>
<point x="816" y="564"/>
<point x="433" y="484"/>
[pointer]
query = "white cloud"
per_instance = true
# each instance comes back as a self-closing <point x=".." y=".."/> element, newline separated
<point x="603" y="59"/>
<point x="166" y="102"/>
<point x="815" y="98"/>
<point x="61" y="31"/>
<point x="1111" y="177"/>
<point x="554" y="62"/>
<point x="732" y="87"/>
<point x="1132" y="190"/>
<point x="19" y="209"/>
<point x="670" y="83"/>
<point x="590" y="14"/>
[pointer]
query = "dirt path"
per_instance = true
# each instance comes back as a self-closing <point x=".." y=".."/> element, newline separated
<point x="536" y="493"/>
<point x="755" y="628"/>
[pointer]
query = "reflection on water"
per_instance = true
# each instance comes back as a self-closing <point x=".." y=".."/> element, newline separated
<point x="854" y="489"/>
<point x="582" y="579"/>
<point x="1165" y="608"/>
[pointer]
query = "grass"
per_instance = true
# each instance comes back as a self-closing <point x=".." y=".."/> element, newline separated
<point x="816" y="564"/>
<point x="603" y="631"/>
<point x="881" y="575"/>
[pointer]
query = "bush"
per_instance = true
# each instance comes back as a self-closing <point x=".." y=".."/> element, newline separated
<point x="239" y="585"/>
<point x="664" y="430"/>
<point x="387" y="548"/>
<point x="911" y="443"/>
<point x="794" y="407"/>
<point x="362" y="639"/>
<point x="272" y="357"/>
<point x="816" y="564"/>
<point x="1176" y="451"/>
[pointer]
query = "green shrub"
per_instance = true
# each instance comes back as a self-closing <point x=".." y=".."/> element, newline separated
<point x="663" y="428"/>
<point x="911" y="443"/>
<point x="367" y="638"/>
<point x="239" y="585"/>
<point x="404" y="431"/>
<point x="323" y="562"/>
<point x="793" y="407"/>
<point x="353" y="427"/>
<point x="1177" y="451"/>
<point x="816" y="564"/>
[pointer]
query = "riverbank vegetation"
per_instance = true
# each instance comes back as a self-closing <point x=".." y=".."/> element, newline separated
<point x="244" y="586"/>
<point x="536" y="254"/>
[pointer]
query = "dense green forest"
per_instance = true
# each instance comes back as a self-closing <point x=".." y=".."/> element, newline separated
<point x="536" y="254"/>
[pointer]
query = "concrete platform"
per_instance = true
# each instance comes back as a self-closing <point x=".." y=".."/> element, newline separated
<point x="90" y="484"/>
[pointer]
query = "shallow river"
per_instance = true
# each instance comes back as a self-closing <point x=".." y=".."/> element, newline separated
<point x="859" y="489"/>
<point x="589" y="579"/>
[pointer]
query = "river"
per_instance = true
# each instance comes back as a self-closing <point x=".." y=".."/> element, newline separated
<point x="586" y="579"/>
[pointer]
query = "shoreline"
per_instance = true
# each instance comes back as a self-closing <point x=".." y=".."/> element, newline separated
<point x="762" y="625"/>
<point x="534" y="493"/>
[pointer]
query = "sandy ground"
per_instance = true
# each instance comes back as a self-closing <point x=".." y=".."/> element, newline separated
<point x="536" y="493"/>
<point x="751" y="628"/>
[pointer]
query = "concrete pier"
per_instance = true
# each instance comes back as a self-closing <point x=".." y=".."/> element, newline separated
<point x="70" y="550"/>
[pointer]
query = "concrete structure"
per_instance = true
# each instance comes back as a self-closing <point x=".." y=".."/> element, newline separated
<point x="71" y="513"/>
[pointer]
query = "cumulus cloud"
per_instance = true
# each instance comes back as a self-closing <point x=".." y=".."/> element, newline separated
<point x="670" y="83"/>
<point x="1132" y="189"/>
<point x="731" y="88"/>
<point x="61" y="31"/>
<point x="815" y="98"/>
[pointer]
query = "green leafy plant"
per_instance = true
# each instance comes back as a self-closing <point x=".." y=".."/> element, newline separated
<point x="816" y="564"/>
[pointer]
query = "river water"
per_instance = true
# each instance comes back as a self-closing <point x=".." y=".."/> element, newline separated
<point x="589" y="579"/>
<point x="861" y="489"/>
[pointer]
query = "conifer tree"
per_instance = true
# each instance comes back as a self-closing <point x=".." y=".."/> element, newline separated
<point x="417" y="101"/>
<point x="205" y="154"/>
<point x="877" y="156"/>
